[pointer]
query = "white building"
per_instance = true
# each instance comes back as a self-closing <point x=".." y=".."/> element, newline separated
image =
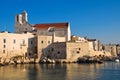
<point x="17" y="44"/>
<point x="58" y="30"/>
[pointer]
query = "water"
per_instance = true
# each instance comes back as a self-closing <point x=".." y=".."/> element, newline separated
<point x="105" y="71"/>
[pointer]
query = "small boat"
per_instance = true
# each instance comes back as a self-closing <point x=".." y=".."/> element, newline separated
<point x="100" y="62"/>
<point x="117" y="60"/>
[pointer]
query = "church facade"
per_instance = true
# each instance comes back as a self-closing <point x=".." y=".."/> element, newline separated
<point x="59" y="30"/>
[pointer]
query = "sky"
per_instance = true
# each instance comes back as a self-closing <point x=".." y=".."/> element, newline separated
<point x="97" y="19"/>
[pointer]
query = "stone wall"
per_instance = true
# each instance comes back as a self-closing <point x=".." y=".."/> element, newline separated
<point x="57" y="50"/>
<point x="76" y="49"/>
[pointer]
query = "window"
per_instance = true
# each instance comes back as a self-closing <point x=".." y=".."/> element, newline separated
<point x="17" y="18"/>
<point x="42" y="42"/>
<point x="79" y="48"/>
<point x="14" y="41"/>
<point x="4" y="46"/>
<point x="31" y="42"/>
<point x="78" y="52"/>
<point x="49" y="42"/>
<point x="4" y="40"/>
<point x="3" y="51"/>
<point x="52" y="49"/>
<point x="58" y="52"/>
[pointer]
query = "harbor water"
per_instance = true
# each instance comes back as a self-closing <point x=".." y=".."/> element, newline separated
<point x="72" y="71"/>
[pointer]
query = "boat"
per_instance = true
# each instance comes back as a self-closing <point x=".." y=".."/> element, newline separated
<point x="117" y="60"/>
<point x="100" y="62"/>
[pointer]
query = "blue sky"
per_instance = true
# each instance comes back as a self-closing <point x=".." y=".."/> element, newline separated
<point x="98" y="19"/>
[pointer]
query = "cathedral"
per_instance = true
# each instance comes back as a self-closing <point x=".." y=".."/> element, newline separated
<point x="60" y="30"/>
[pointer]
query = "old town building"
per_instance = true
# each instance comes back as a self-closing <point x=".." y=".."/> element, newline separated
<point x="50" y="40"/>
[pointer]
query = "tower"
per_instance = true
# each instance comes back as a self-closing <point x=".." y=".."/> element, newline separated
<point x="21" y="18"/>
<point x="21" y="23"/>
<point x="24" y="17"/>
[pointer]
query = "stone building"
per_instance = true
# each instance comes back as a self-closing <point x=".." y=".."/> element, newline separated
<point x="21" y="23"/>
<point x="51" y="40"/>
<point x="59" y="30"/>
<point x="17" y="44"/>
<point x="114" y="49"/>
<point x="94" y="44"/>
<point x="48" y="29"/>
<point x="42" y="44"/>
<point x="78" y="39"/>
<point x="69" y="51"/>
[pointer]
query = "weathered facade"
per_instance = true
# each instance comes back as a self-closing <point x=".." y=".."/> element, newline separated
<point x="69" y="51"/>
<point x="114" y="49"/>
<point x="21" y="23"/>
<point x="42" y="45"/>
<point x="48" y="29"/>
<point x="17" y="44"/>
<point x="54" y="29"/>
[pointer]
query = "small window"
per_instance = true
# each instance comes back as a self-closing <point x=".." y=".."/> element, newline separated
<point x="4" y="40"/>
<point x="3" y="51"/>
<point x="17" y="18"/>
<point x="52" y="49"/>
<point x="31" y="42"/>
<point x="78" y="52"/>
<point x="14" y="41"/>
<point x="49" y="42"/>
<point x="42" y="42"/>
<point x="58" y="52"/>
<point x="4" y="46"/>
<point x="79" y="48"/>
<point x="29" y="54"/>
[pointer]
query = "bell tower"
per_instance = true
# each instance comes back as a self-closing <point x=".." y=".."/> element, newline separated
<point x="20" y="22"/>
<point x="24" y="17"/>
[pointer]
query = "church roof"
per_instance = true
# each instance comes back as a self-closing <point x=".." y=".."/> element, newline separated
<point x="55" y="25"/>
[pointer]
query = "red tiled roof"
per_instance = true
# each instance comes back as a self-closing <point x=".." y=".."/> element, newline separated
<point x="55" y="25"/>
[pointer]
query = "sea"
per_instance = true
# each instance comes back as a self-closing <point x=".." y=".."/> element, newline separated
<point x="72" y="71"/>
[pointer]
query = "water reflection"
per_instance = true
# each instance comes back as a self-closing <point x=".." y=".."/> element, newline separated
<point x="33" y="72"/>
<point x="53" y="72"/>
<point x="83" y="71"/>
<point x="106" y="71"/>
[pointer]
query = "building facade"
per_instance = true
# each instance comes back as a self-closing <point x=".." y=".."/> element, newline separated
<point x="54" y="29"/>
<point x="17" y="44"/>
<point x="114" y="49"/>
<point x="69" y="51"/>
<point x="51" y="40"/>
<point x="48" y="29"/>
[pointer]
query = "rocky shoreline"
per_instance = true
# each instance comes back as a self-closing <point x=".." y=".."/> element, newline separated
<point x="81" y="60"/>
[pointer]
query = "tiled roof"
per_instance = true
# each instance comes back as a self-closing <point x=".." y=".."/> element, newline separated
<point x="55" y="25"/>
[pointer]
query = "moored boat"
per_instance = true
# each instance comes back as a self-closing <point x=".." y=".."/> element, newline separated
<point x="117" y="60"/>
